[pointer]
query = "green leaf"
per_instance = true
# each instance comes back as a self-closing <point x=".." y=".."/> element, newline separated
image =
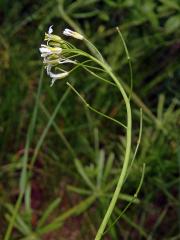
<point x="100" y="167"/>
<point x="171" y="4"/>
<point x="74" y="211"/>
<point x="173" y="23"/>
<point x="83" y="174"/>
<point x="48" y="211"/>
<point x="20" y="224"/>
<point x="108" y="167"/>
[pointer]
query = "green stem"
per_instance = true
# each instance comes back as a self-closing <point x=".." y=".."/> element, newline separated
<point x="126" y="159"/>
<point x="128" y="141"/>
<point x="128" y="144"/>
<point x="93" y="109"/>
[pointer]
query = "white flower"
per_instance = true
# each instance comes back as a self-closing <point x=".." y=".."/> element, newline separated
<point x="51" y="37"/>
<point x="44" y="51"/>
<point x="56" y="76"/>
<point x="53" y="53"/>
<point x="47" y="50"/>
<point x="73" y="34"/>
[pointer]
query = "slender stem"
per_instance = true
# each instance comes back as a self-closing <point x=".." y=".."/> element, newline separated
<point x="93" y="109"/>
<point x="126" y="159"/>
<point x="122" y="176"/>
<point x="134" y="97"/>
<point x="128" y="143"/>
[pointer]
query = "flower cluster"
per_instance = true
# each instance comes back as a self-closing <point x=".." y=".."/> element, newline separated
<point x="53" y="53"/>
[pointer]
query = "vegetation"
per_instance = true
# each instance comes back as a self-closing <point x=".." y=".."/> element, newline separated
<point x="61" y="160"/>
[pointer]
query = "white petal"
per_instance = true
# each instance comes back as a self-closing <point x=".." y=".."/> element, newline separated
<point x="48" y="69"/>
<point x="73" y="34"/>
<point x="44" y="50"/>
<point x="50" y="29"/>
<point x="58" y="75"/>
<point x="67" y="32"/>
<point x="67" y="61"/>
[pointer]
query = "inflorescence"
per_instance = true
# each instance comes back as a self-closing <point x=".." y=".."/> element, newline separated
<point x="54" y="53"/>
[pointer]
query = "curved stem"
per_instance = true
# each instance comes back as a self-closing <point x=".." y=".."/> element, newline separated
<point x="122" y="176"/>
<point x="126" y="159"/>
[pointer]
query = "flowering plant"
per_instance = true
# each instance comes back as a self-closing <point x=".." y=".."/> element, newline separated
<point x="57" y="53"/>
<point x="54" y="53"/>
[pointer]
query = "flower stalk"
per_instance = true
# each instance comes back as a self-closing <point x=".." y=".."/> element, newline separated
<point x="59" y="52"/>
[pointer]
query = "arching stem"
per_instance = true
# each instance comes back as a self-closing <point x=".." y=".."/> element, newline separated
<point x="126" y="159"/>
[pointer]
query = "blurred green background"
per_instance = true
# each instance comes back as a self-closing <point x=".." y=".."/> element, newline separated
<point x="30" y="133"/>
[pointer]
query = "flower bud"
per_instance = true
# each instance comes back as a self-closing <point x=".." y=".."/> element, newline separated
<point x="73" y="34"/>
